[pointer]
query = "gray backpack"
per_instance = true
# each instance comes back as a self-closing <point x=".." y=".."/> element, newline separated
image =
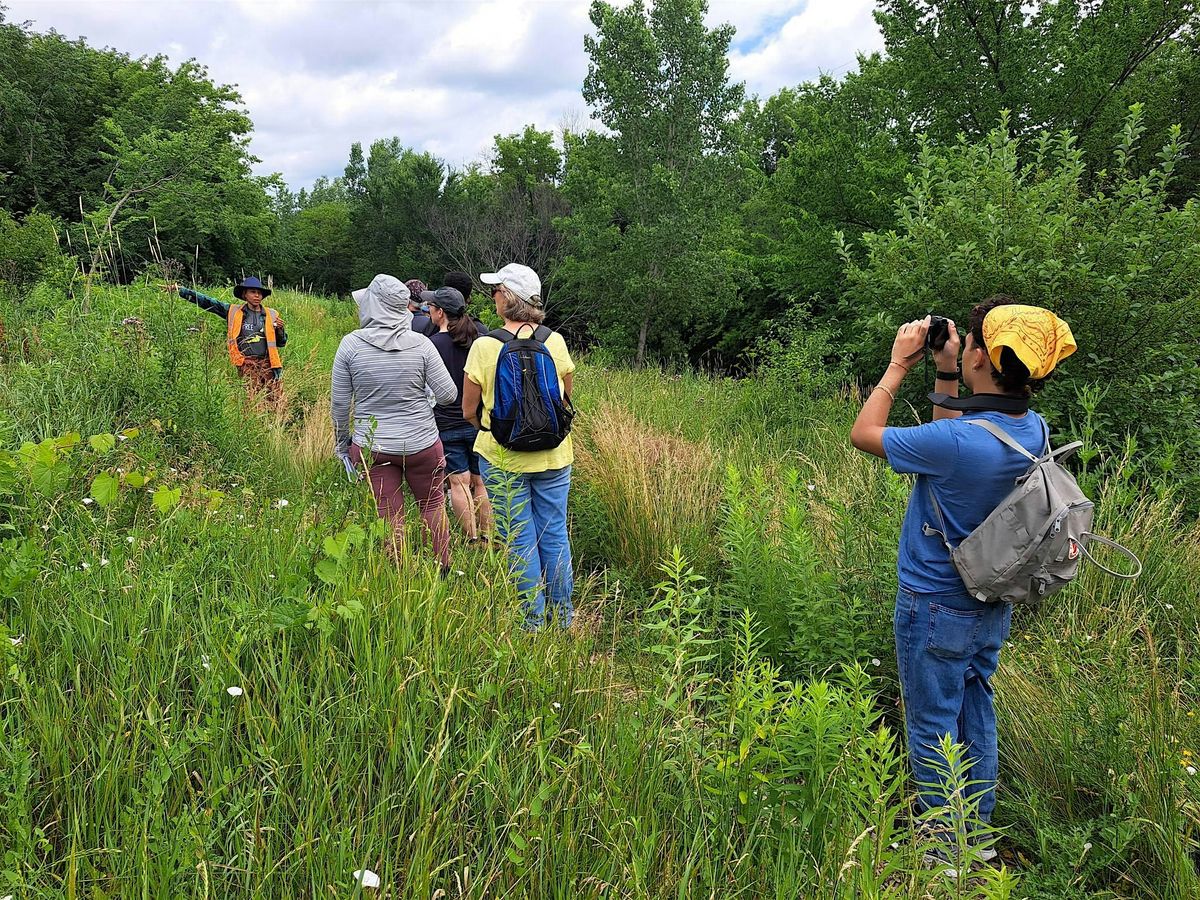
<point x="1031" y="544"/>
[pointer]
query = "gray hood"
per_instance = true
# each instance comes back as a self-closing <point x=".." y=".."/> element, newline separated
<point x="383" y="313"/>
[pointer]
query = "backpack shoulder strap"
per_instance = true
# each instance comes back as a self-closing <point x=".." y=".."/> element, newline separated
<point x="502" y="335"/>
<point x="541" y="334"/>
<point x="929" y="531"/>
<point x="1004" y="437"/>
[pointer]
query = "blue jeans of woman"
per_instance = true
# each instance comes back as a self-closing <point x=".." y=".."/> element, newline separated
<point x="948" y="649"/>
<point x="530" y="510"/>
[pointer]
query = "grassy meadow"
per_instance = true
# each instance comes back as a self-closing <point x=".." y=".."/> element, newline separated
<point x="218" y="682"/>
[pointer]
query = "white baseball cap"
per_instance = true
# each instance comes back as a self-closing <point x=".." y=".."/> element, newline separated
<point x="519" y="279"/>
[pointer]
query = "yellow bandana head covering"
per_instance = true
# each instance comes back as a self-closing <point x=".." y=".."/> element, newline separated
<point x="1040" y="339"/>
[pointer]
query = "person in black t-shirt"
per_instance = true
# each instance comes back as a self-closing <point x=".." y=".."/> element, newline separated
<point x="456" y="332"/>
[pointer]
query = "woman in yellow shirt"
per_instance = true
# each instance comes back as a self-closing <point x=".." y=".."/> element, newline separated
<point x="528" y="489"/>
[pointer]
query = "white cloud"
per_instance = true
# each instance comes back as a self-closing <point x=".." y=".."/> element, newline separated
<point x="317" y="75"/>
<point x="497" y="33"/>
<point x="825" y="37"/>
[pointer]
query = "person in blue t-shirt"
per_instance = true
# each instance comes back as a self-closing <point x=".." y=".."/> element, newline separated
<point x="947" y="642"/>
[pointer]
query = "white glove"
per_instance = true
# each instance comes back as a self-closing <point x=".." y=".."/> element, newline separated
<point x="353" y="475"/>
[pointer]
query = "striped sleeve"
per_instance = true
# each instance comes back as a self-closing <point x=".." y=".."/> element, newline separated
<point x="340" y="393"/>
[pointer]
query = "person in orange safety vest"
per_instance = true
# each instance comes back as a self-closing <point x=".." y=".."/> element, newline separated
<point x="254" y="334"/>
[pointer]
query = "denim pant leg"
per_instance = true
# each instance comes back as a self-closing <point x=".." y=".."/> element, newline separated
<point x="977" y="721"/>
<point x="510" y="495"/>
<point x="548" y="492"/>
<point x="947" y="649"/>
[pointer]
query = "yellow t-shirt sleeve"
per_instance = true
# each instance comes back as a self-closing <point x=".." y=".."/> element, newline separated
<point x="474" y="365"/>
<point x="562" y="356"/>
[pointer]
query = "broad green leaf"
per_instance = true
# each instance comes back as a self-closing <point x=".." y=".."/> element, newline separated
<point x="49" y="480"/>
<point x="166" y="499"/>
<point x="102" y="443"/>
<point x="105" y="488"/>
<point x="333" y="547"/>
<point x="136" y="479"/>
<point x="130" y="433"/>
<point x="327" y="570"/>
<point x="68" y="440"/>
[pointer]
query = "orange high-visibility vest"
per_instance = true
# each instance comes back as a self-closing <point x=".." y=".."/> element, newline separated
<point x="235" y="328"/>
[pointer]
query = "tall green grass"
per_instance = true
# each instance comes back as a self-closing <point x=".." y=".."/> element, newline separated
<point x="681" y="742"/>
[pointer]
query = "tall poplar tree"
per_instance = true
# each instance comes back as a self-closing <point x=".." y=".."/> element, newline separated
<point x="652" y="200"/>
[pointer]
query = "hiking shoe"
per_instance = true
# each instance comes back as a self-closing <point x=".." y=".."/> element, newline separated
<point x="987" y="854"/>
<point x="938" y="859"/>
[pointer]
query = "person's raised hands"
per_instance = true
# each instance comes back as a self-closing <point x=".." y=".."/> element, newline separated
<point x="910" y="342"/>
<point x="946" y="359"/>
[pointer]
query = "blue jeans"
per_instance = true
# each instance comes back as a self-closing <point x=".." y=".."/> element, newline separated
<point x="530" y="510"/>
<point x="948" y="648"/>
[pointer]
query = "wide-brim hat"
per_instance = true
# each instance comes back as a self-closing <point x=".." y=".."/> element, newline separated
<point x="251" y="282"/>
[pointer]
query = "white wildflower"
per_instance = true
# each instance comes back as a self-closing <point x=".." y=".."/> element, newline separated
<point x="367" y="878"/>
<point x="1170" y="606"/>
<point x="85" y="566"/>
<point x="88" y="501"/>
<point x="17" y="641"/>
<point x="1191" y="770"/>
<point x="234" y="691"/>
<point x="45" y="528"/>
<point x="875" y="661"/>
<point x="280" y="503"/>
<point x="812" y="487"/>
<point x="556" y="705"/>
<point x="103" y="561"/>
<point x="129" y="540"/>
<point x="204" y="661"/>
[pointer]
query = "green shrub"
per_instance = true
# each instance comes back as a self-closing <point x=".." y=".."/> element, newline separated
<point x="28" y="249"/>
<point x="1112" y="256"/>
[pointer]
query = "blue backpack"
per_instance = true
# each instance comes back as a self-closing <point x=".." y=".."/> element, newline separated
<point x="528" y="412"/>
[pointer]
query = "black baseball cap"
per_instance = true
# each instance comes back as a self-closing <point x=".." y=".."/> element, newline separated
<point x="447" y="299"/>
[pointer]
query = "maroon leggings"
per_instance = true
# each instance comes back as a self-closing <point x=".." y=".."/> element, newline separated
<point x="424" y="471"/>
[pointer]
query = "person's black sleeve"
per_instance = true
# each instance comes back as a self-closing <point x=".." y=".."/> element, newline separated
<point x="205" y="302"/>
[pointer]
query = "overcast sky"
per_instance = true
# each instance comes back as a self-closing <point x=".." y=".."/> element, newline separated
<point x="442" y="75"/>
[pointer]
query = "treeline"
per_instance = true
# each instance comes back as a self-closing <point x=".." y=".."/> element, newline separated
<point x="1045" y="150"/>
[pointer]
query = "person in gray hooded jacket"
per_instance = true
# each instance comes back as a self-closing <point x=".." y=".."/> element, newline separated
<point x="383" y="368"/>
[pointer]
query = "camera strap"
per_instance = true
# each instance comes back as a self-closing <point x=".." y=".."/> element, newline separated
<point x="1003" y="403"/>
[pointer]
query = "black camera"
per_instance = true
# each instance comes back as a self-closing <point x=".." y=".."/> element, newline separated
<point x="938" y="334"/>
